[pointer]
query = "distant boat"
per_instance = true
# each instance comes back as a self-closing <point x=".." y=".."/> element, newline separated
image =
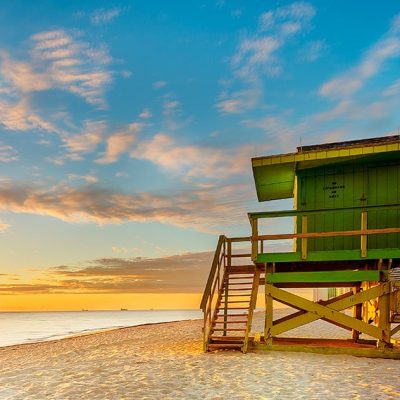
<point x="124" y="309"/>
<point x="84" y="309"/>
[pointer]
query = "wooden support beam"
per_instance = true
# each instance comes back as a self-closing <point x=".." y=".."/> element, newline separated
<point x="253" y="302"/>
<point x="304" y="239"/>
<point x="269" y="309"/>
<point x="357" y="309"/>
<point x="254" y="243"/>
<point x="384" y="319"/>
<point x="364" y="226"/>
<point x="330" y="313"/>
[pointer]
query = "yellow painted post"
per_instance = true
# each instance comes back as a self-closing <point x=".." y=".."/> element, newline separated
<point x="357" y="313"/>
<point x="384" y="316"/>
<point x="268" y="311"/>
<point x="254" y="242"/>
<point x="304" y="240"/>
<point x="226" y="283"/>
<point x="364" y="226"/>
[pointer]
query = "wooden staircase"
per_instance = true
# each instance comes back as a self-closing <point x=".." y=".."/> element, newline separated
<point x="228" y="319"/>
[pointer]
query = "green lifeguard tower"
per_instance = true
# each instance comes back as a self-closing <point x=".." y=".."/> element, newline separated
<point x="346" y="234"/>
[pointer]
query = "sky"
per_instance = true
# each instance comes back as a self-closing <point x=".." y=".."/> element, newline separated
<point x="127" y="131"/>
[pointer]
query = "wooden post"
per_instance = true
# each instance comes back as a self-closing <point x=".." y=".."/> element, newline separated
<point x="304" y="240"/>
<point x="357" y="313"/>
<point x="226" y="282"/>
<point x="364" y="226"/>
<point x="384" y="315"/>
<point x="254" y="242"/>
<point x="268" y="311"/>
<point x="253" y="303"/>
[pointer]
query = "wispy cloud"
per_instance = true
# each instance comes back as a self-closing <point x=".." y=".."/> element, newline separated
<point x="85" y="141"/>
<point x="119" y="142"/>
<point x="371" y="64"/>
<point x="61" y="60"/>
<point x="182" y="273"/>
<point x="202" y="209"/>
<point x="159" y="84"/>
<point x="104" y="16"/>
<point x="191" y="160"/>
<point x="312" y="51"/>
<point x="8" y="153"/>
<point x="21" y="116"/>
<point x="4" y="227"/>
<point x="257" y="55"/>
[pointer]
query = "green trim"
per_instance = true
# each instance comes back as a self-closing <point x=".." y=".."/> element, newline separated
<point x="333" y="255"/>
<point x="323" y="276"/>
<point x="295" y="213"/>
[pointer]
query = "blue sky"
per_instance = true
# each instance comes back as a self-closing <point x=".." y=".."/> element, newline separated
<point x="127" y="128"/>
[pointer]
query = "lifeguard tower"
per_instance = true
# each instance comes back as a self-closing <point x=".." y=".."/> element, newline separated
<point x="345" y="233"/>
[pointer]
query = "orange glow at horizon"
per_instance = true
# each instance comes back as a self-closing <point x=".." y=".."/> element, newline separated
<point x="77" y="302"/>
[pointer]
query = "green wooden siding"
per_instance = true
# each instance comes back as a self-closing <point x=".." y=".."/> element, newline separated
<point x="348" y="185"/>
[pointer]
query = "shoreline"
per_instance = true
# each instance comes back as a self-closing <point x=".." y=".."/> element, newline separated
<point x="92" y="332"/>
<point x="166" y="360"/>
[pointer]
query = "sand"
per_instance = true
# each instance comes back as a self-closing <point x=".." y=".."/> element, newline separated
<point x="165" y="361"/>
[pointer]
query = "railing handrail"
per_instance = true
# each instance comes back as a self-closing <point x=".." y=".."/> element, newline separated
<point x="294" y="213"/>
<point x="213" y="270"/>
<point x="360" y="232"/>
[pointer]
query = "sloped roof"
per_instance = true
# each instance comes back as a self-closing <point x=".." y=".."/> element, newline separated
<point x="274" y="175"/>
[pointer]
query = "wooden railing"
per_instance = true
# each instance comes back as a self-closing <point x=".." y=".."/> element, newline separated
<point x="213" y="287"/>
<point x="221" y="263"/>
<point x="258" y="240"/>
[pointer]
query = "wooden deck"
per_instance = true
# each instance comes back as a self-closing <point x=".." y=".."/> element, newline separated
<point x="328" y="346"/>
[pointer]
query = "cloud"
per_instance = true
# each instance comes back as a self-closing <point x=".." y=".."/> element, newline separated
<point x="20" y="116"/>
<point x="193" y="161"/>
<point x="182" y="273"/>
<point x="87" y="178"/>
<point x="59" y="60"/>
<point x="202" y="209"/>
<point x="257" y="54"/>
<point x="159" y="84"/>
<point x="86" y="141"/>
<point x="4" y="227"/>
<point x="239" y="101"/>
<point x="346" y="84"/>
<point x="312" y="51"/>
<point x="104" y="16"/>
<point x="145" y="114"/>
<point x="119" y="143"/>
<point x="8" y="153"/>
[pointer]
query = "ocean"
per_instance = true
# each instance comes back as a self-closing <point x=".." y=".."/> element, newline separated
<point x="28" y="327"/>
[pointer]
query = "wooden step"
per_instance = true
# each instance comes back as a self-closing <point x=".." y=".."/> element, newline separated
<point x="226" y="338"/>
<point x="229" y="330"/>
<point x="220" y="346"/>
<point x="235" y="308"/>
<point x="238" y="289"/>
<point x="239" y="283"/>
<point x="239" y="295"/>
<point x="235" y="301"/>
<point x="232" y="315"/>
<point x="230" y="322"/>
<point x="239" y="277"/>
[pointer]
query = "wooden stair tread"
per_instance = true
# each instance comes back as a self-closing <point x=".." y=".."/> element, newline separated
<point x="230" y="322"/>
<point x="217" y="346"/>
<point x="226" y="338"/>
<point x="228" y="329"/>
<point x="232" y="315"/>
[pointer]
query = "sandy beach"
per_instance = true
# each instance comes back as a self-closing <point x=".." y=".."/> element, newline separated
<point x="165" y="361"/>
